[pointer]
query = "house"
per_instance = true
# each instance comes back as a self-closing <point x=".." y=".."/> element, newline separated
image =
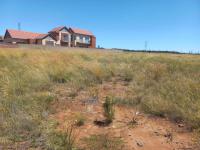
<point x="61" y="36"/>
<point x="73" y="37"/>
<point x="82" y="38"/>
<point x="24" y="37"/>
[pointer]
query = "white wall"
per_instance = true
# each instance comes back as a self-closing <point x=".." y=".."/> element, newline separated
<point x="83" y="40"/>
<point x="48" y="38"/>
<point x="64" y="31"/>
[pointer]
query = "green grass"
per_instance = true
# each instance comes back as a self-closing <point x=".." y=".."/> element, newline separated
<point x="109" y="110"/>
<point x="160" y="84"/>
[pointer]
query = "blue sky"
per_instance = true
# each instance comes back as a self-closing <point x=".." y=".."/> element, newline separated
<point x="165" y="24"/>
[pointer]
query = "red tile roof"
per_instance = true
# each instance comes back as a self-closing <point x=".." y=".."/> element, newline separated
<point x="41" y="36"/>
<point x="80" y="31"/>
<point x="22" y="34"/>
<point x="57" y="29"/>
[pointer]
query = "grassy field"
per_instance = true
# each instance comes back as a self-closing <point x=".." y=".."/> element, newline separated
<point x="165" y="85"/>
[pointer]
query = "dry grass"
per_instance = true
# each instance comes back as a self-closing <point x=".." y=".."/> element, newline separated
<point x="161" y="84"/>
<point x="103" y="142"/>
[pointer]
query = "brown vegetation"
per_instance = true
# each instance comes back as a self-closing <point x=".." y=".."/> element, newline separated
<point x="43" y="90"/>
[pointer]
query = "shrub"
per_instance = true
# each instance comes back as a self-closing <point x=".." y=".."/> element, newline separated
<point x="64" y="140"/>
<point x="109" y="111"/>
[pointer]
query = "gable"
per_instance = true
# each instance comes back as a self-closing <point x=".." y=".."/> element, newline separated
<point x="64" y="30"/>
<point x="49" y="38"/>
<point x="7" y="35"/>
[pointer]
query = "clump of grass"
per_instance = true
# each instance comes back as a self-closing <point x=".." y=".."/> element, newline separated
<point x="109" y="110"/>
<point x="103" y="142"/>
<point x="126" y="101"/>
<point x="63" y="140"/>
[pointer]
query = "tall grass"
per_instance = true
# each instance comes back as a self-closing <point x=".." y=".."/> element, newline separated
<point x="161" y="84"/>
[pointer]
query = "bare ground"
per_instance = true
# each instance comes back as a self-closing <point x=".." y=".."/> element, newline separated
<point x="149" y="132"/>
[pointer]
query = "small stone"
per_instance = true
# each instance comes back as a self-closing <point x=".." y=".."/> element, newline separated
<point x="180" y="125"/>
<point x="139" y="143"/>
<point x="157" y="133"/>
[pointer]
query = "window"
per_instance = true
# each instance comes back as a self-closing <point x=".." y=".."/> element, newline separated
<point x="65" y="38"/>
<point x="81" y="37"/>
<point x="87" y="39"/>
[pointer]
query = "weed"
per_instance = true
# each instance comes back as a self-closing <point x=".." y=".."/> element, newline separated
<point x="109" y="111"/>
<point x="64" y="140"/>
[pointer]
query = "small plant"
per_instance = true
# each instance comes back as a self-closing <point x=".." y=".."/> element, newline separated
<point x="109" y="111"/>
<point x="63" y="140"/>
<point x="79" y="120"/>
<point x="132" y="123"/>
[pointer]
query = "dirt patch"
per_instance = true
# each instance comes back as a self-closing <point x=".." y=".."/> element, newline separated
<point x="146" y="132"/>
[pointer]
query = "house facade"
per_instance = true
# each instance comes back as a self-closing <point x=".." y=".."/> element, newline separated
<point x="45" y="39"/>
<point x="1" y="38"/>
<point x="82" y="38"/>
<point x="59" y="36"/>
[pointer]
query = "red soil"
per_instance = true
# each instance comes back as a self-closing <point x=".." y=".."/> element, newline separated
<point x="150" y="133"/>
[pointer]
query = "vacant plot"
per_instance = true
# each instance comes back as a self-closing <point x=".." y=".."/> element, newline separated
<point x="55" y="99"/>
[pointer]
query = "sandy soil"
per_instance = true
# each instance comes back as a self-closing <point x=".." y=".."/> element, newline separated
<point x="149" y="133"/>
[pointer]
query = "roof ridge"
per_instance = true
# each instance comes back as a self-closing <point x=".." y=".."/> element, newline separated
<point x="22" y="34"/>
<point x="81" y="31"/>
<point x="79" y="28"/>
<point x="57" y="28"/>
<point x="24" y="31"/>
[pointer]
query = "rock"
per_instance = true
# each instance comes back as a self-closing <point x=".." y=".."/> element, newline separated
<point x="139" y="143"/>
<point x="180" y="125"/>
<point x="113" y="127"/>
<point x="157" y="133"/>
<point x="169" y="136"/>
